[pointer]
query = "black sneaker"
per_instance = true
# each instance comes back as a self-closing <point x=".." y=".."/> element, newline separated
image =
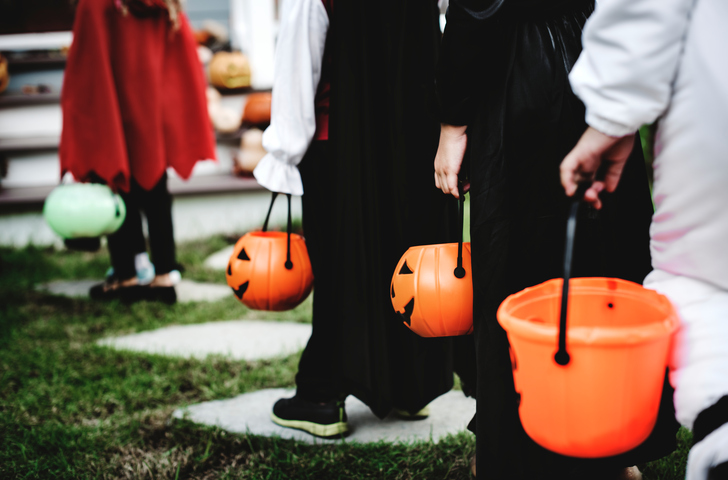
<point x="322" y="420"/>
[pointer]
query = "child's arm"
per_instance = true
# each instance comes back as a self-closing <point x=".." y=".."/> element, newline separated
<point x="298" y="62"/>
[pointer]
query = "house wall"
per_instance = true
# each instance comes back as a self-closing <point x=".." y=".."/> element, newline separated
<point x="30" y="131"/>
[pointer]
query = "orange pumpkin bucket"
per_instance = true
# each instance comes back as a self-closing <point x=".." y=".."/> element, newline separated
<point x="270" y="270"/>
<point x="432" y="288"/>
<point x="430" y="298"/>
<point x="600" y="398"/>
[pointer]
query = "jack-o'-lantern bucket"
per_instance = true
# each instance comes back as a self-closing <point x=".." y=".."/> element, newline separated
<point x="600" y="398"/>
<point x="84" y="210"/>
<point x="432" y="288"/>
<point x="270" y="270"/>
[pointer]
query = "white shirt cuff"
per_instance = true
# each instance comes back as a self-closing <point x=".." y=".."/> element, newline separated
<point x="608" y="127"/>
<point x="278" y="176"/>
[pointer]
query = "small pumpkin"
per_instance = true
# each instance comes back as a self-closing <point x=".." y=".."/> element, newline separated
<point x="229" y="70"/>
<point x="262" y="275"/>
<point x="426" y="293"/>
<point x="4" y="75"/>
<point x="257" y="109"/>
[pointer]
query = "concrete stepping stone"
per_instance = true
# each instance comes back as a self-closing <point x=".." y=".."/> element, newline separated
<point x="237" y="339"/>
<point x="187" y="290"/>
<point x="68" y="288"/>
<point x="219" y="260"/>
<point x="250" y="413"/>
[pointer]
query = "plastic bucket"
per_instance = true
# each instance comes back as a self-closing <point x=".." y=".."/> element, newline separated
<point x="606" y="399"/>
<point x="430" y="298"/>
<point x="81" y="210"/>
<point x="271" y="270"/>
<point x="432" y="287"/>
<point x="258" y="274"/>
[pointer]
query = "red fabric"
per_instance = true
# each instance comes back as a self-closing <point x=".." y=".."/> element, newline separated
<point x="155" y="3"/>
<point x="323" y="92"/>
<point x="133" y="98"/>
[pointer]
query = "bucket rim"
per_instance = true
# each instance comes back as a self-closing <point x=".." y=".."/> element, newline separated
<point x="606" y="335"/>
<point x="436" y="245"/>
<point x="272" y="235"/>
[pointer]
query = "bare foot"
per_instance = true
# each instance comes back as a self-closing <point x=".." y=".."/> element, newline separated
<point x="164" y="280"/>
<point x="472" y="466"/>
<point x="627" y="473"/>
<point x="115" y="284"/>
<point x="630" y="473"/>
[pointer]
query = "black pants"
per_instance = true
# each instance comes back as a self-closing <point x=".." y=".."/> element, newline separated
<point x="318" y="377"/>
<point x="128" y="241"/>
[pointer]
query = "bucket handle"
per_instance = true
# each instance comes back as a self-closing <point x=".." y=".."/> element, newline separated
<point x="562" y="357"/>
<point x="288" y="264"/>
<point x="459" y="271"/>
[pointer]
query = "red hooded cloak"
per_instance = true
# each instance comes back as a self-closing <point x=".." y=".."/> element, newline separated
<point x="133" y="98"/>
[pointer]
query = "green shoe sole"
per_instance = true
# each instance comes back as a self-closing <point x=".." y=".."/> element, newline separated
<point x="323" y="431"/>
<point x="405" y="415"/>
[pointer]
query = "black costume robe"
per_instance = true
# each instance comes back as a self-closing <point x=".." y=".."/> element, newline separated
<point x="504" y="73"/>
<point x="369" y="195"/>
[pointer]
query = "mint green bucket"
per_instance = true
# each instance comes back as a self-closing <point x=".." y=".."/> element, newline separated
<point x="80" y="210"/>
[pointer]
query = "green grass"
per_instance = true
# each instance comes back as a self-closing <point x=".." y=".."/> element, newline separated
<point x="71" y="409"/>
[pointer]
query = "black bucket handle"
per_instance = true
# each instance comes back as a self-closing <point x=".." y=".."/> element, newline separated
<point x="459" y="271"/>
<point x="288" y="264"/>
<point x="562" y="357"/>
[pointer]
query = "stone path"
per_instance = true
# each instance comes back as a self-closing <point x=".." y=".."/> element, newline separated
<point x="253" y="340"/>
<point x="187" y="290"/>
<point x="250" y="413"/>
<point x="238" y="339"/>
<point x="219" y="260"/>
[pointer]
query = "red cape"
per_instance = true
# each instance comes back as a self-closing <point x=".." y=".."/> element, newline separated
<point x="133" y="98"/>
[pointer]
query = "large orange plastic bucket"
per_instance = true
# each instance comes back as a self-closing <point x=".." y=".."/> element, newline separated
<point x="605" y="400"/>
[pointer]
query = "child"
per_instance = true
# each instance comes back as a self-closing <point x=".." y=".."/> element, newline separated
<point x="650" y="59"/>
<point x="504" y="90"/>
<point x="350" y="132"/>
<point x="133" y="105"/>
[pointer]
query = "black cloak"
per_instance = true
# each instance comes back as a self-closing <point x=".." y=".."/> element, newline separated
<point x="379" y="199"/>
<point x="504" y="73"/>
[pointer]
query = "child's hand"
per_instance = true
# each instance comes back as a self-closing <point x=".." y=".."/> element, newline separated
<point x="449" y="159"/>
<point x="585" y="160"/>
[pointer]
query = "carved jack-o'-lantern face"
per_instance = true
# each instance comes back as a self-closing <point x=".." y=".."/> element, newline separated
<point x="229" y="70"/>
<point x="428" y="296"/>
<point x="259" y="273"/>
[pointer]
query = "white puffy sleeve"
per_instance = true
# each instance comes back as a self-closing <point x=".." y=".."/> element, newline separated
<point x="298" y="60"/>
<point x="631" y="52"/>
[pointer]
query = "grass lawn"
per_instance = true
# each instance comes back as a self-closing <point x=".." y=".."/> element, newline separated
<point x="71" y="409"/>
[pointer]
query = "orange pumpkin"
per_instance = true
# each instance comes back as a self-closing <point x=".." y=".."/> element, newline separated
<point x="425" y="291"/>
<point x="202" y="37"/>
<point x="257" y="109"/>
<point x="262" y="275"/>
<point x="4" y="76"/>
<point x="229" y="70"/>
